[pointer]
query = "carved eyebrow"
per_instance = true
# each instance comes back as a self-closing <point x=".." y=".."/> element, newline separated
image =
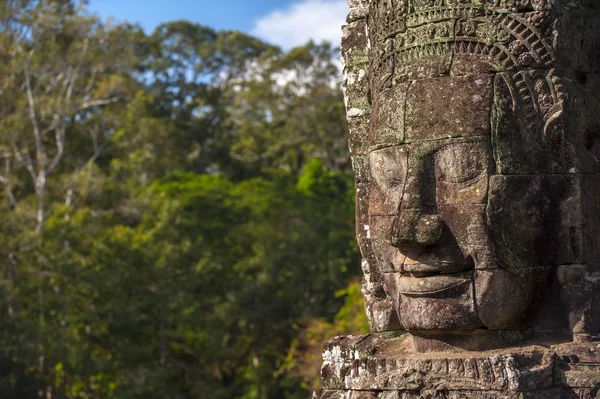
<point x="377" y="147"/>
<point x="445" y="141"/>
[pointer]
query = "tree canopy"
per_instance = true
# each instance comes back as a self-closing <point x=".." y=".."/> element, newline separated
<point x="177" y="210"/>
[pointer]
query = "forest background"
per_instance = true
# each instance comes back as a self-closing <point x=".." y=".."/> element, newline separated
<point x="176" y="210"/>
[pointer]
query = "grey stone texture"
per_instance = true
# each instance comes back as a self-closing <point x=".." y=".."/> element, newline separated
<point x="389" y="365"/>
<point x="474" y="134"/>
<point x="473" y="129"/>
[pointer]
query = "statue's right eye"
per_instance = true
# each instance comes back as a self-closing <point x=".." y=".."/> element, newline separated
<point x="388" y="166"/>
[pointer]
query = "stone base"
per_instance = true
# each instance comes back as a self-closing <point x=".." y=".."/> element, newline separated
<point x="554" y="393"/>
<point x="386" y="366"/>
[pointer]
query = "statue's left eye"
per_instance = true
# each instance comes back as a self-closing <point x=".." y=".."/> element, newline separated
<point x="461" y="163"/>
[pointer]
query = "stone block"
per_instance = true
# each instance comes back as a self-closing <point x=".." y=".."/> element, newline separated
<point x="577" y="40"/>
<point x="388" y="167"/>
<point x="424" y="51"/>
<point x="448" y="107"/>
<point x="354" y="48"/>
<point x="467" y="225"/>
<point x="387" y="127"/>
<point x="535" y="220"/>
<point x="358" y="138"/>
<point x="338" y="356"/>
<point x="358" y="9"/>
<point x="361" y="168"/>
<point x="580" y="292"/>
<point x="590" y="192"/>
<point x="546" y="121"/>
<point x="496" y="309"/>
<point x="389" y="258"/>
<point x="381" y="362"/>
<point x="580" y="393"/>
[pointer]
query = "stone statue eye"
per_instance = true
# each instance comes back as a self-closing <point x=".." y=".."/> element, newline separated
<point x="388" y="166"/>
<point x="460" y="163"/>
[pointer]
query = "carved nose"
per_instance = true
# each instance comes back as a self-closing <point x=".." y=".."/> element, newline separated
<point x="418" y="223"/>
<point x="415" y="229"/>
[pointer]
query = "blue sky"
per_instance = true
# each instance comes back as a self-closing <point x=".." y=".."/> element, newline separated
<point x="287" y="23"/>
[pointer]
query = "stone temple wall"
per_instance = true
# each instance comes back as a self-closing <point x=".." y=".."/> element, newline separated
<point x="474" y="129"/>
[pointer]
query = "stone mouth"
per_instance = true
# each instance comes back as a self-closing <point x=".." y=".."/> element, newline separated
<point x="441" y="259"/>
<point x="427" y="284"/>
<point x="425" y="269"/>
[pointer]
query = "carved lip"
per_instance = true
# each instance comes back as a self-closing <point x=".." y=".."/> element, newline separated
<point x="435" y="284"/>
<point x="435" y="267"/>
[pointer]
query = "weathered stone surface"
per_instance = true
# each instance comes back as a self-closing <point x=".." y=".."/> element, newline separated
<point x="579" y="376"/>
<point x="389" y="167"/>
<point x="358" y="139"/>
<point x="475" y="138"/>
<point x="554" y="393"/>
<point x="579" y="352"/>
<point x="536" y="220"/>
<point x="590" y="209"/>
<point x="387" y="127"/>
<point x="356" y="77"/>
<point x="386" y="365"/>
<point x="420" y="302"/>
<point x="338" y="394"/>
<point x="580" y="393"/>
<point x="543" y="130"/>
<point x="580" y="291"/>
<point x="358" y="9"/>
<point x="577" y="365"/>
<point x="389" y="258"/>
<point x="578" y="43"/>
<point x="381" y="363"/>
<point x="503" y="297"/>
<point x="437" y="108"/>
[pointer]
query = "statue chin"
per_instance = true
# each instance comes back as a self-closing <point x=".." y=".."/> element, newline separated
<point x="491" y="299"/>
<point x="442" y="302"/>
<point x="495" y="299"/>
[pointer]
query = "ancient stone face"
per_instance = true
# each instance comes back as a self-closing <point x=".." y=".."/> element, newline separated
<point x="474" y="128"/>
<point x="473" y="134"/>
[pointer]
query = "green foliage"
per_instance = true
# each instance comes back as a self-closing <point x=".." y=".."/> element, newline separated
<point x="303" y="361"/>
<point x="177" y="210"/>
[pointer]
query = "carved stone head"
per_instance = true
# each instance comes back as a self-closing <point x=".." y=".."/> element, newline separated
<point x="473" y="129"/>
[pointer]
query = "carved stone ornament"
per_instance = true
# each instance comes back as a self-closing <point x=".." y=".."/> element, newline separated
<point x="475" y="140"/>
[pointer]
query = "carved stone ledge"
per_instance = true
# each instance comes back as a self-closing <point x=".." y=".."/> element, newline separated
<point x="385" y="365"/>
<point x="554" y="393"/>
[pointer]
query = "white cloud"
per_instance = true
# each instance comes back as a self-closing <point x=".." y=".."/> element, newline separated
<point x="308" y="19"/>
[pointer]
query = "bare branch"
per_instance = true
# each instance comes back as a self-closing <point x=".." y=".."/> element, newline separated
<point x="60" y="146"/>
<point x="98" y="149"/>
<point x="39" y="147"/>
<point x="12" y="202"/>
<point x="94" y="103"/>
<point x="54" y="81"/>
<point x="51" y="127"/>
<point x="92" y="80"/>
<point x="65" y="87"/>
<point x="75" y="73"/>
<point x="27" y="161"/>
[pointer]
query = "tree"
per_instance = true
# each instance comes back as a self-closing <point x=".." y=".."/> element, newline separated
<point x="291" y="112"/>
<point x="179" y="208"/>
<point x="59" y="75"/>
